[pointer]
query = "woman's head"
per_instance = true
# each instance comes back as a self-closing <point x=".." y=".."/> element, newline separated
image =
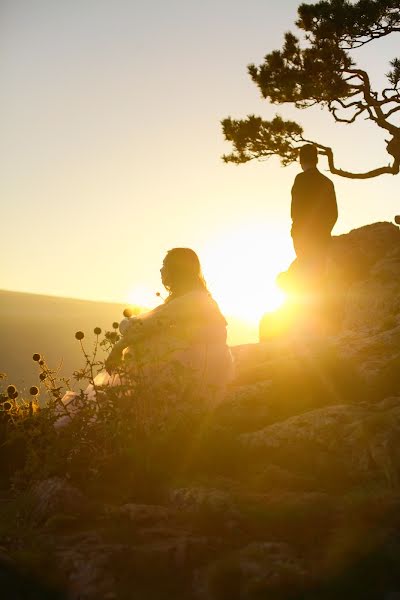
<point x="181" y="272"/>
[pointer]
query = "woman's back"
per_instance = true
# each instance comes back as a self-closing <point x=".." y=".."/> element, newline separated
<point x="188" y="331"/>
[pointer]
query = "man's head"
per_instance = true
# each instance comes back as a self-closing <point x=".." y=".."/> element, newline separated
<point x="308" y="156"/>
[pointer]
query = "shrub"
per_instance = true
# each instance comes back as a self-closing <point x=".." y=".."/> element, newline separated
<point x="124" y="433"/>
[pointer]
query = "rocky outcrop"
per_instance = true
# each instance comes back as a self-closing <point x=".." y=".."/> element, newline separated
<point x="86" y="562"/>
<point x="289" y="489"/>
<point x="196" y="499"/>
<point x="355" y="254"/>
<point x="56" y="496"/>
<point x="255" y="571"/>
<point x="340" y="442"/>
<point x="364" y="276"/>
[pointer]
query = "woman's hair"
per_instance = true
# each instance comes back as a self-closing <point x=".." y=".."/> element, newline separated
<point x="184" y="272"/>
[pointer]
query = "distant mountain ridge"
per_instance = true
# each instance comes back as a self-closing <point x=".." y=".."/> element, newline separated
<point x="32" y="323"/>
<point x="47" y="324"/>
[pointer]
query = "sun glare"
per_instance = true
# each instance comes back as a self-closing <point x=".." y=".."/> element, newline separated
<point x="143" y="298"/>
<point x="241" y="268"/>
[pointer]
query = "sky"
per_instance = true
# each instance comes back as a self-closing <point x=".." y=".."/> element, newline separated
<point x="111" y="148"/>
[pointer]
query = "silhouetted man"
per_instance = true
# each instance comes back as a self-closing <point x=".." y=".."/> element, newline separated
<point x="314" y="213"/>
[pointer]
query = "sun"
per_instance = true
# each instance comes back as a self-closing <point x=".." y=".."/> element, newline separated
<point x="241" y="266"/>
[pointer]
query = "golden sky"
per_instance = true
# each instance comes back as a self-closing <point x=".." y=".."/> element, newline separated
<point x="111" y="145"/>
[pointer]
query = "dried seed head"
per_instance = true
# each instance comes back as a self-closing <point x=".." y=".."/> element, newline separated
<point x="36" y="357"/>
<point x="42" y="376"/>
<point x="34" y="390"/>
<point x="79" y="335"/>
<point x="112" y="336"/>
<point x="7" y="405"/>
<point x="11" y="390"/>
<point x="97" y="330"/>
<point x="115" y="325"/>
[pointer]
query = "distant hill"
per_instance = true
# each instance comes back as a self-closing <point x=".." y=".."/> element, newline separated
<point x="32" y="323"/>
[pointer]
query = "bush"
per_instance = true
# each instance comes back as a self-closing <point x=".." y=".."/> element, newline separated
<point x="124" y="435"/>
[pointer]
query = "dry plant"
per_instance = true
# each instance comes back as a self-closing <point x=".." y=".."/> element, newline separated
<point x="116" y="428"/>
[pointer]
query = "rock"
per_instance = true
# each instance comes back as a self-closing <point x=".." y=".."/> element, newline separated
<point x="249" y="394"/>
<point x="320" y="426"/>
<point x="389" y="403"/>
<point x="255" y="571"/>
<point x="141" y="514"/>
<point x="246" y="407"/>
<point x="251" y="363"/>
<point x="387" y="269"/>
<point x="171" y="551"/>
<point x="364" y="275"/>
<point x="371" y="303"/>
<point x="56" y="496"/>
<point x="377" y="356"/>
<point x="335" y="442"/>
<point x="87" y="564"/>
<point x="198" y="499"/>
<point x="362" y="292"/>
<point x="273" y="477"/>
<point x="356" y="252"/>
<point x="149" y="559"/>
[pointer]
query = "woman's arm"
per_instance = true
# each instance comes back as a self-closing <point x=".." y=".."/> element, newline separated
<point x="137" y="329"/>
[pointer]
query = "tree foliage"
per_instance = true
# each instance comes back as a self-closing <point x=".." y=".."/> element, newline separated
<point x="319" y="70"/>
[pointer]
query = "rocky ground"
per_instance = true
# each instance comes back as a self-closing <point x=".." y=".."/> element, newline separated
<point x="298" y="495"/>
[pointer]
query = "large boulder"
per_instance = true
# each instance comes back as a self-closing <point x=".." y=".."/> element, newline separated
<point x="354" y="254"/>
<point x="374" y="303"/>
<point x="377" y="356"/>
<point x="363" y="276"/>
<point x="339" y="443"/>
<point x="291" y="376"/>
<point x="55" y="496"/>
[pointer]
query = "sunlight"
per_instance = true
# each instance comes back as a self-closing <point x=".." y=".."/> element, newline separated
<point x="142" y="298"/>
<point x="241" y="266"/>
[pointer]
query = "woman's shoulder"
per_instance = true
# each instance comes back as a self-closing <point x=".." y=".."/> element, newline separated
<point x="189" y="297"/>
<point x="188" y="300"/>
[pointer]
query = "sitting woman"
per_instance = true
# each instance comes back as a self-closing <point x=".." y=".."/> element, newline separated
<point x="182" y="341"/>
<point x="179" y="348"/>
